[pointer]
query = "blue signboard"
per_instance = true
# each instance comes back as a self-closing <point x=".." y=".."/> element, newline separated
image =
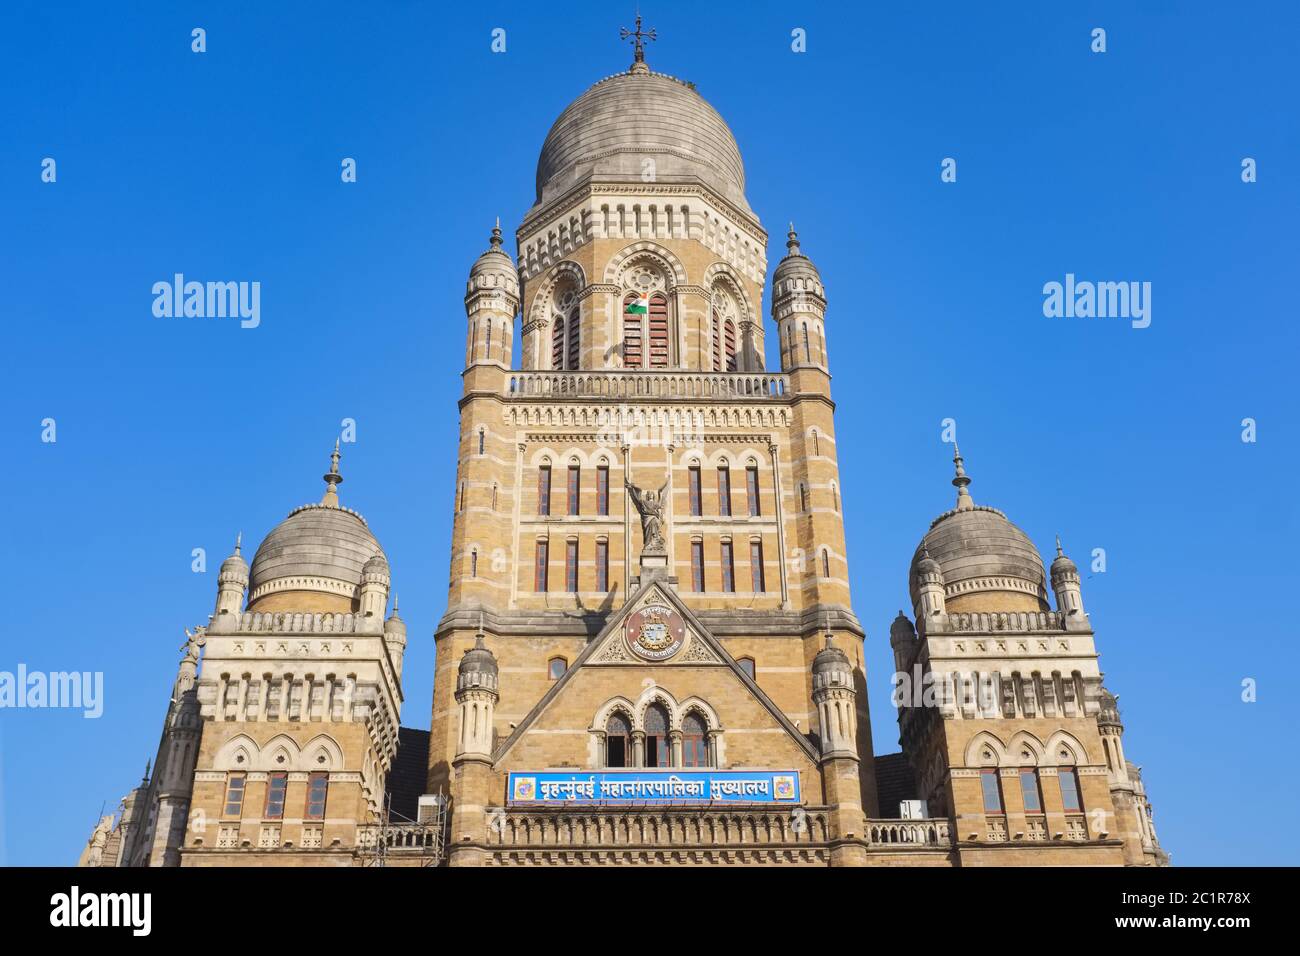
<point x="633" y="787"/>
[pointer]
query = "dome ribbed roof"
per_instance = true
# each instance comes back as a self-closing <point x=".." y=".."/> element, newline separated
<point x="610" y="131"/>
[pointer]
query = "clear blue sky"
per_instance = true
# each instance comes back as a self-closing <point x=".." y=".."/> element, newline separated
<point x="176" y="433"/>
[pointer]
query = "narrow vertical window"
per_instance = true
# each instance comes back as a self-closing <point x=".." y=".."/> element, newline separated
<point x="277" y="784"/>
<point x="658" y="749"/>
<point x="658" y="331"/>
<point x="695" y="741"/>
<point x="817" y="445"/>
<point x="756" y="566"/>
<point x="697" y="566"/>
<point x="556" y="668"/>
<point x="729" y="343"/>
<point x="807" y="352"/>
<point x="717" y="341"/>
<point x="480" y="441"/>
<point x="539" y="567"/>
<point x="751" y="488"/>
<point x="695" y="490"/>
<point x="992" y="790"/>
<point x="494" y="496"/>
<point x="473" y="564"/>
<point x="574" y="340"/>
<point x="575" y="488"/>
<point x="724" y="491"/>
<point x="544" y="490"/>
<point x="1069" y="790"/>
<point x="602" y="490"/>
<point x="487" y="344"/>
<point x="234" y="804"/>
<point x="557" y="344"/>
<point x="835" y="494"/>
<point x="728" y="568"/>
<point x="317" y="792"/>
<point x="602" y="564"/>
<point x="1029" y="791"/>
<point x="803" y="497"/>
<point x="571" y="566"/>
<point x="617" y="734"/>
<point x="634" y="310"/>
<point x="826" y="563"/>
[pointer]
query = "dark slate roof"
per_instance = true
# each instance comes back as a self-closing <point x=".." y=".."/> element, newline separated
<point x="407" y="779"/>
<point x="894" y="783"/>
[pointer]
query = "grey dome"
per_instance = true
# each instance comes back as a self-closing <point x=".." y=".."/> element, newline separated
<point x="317" y="547"/>
<point x="478" y="668"/>
<point x="494" y="270"/>
<point x="978" y="549"/>
<point x="610" y="130"/>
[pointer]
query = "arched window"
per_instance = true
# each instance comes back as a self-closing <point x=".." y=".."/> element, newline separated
<point x="617" y="740"/>
<point x="557" y="344"/>
<point x="695" y="741"/>
<point x="729" y="343"/>
<point x="746" y="665"/>
<point x="487" y="345"/>
<point x="1070" y="801"/>
<point x="473" y="564"/>
<point x="751" y="489"/>
<point x="817" y="444"/>
<point x="556" y="668"/>
<point x="1029" y="791"/>
<point x="724" y="490"/>
<point x="481" y="439"/>
<point x="807" y="350"/>
<point x="717" y="341"/>
<point x="574" y="342"/>
<point x="792" y="357"/>
<point x="634" y="315"/>
<point x="658" y="330"/>
<point x="826" y="563"/>
<point x="658" y="751"/>
<point x="835" y="493"/>
<point x="803" y="497"/>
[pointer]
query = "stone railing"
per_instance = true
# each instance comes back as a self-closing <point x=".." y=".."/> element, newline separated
<point x="893" y="833"/>
<point x="414" y="838"/>
<point x="648" y="383"/>
<point x="293" y="623"/>
<point x="672" y="828"/>
<point x="983" y="623"/>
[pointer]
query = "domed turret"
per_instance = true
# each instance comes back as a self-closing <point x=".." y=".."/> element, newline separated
<point x="232" y="581"/>
<point x="834" y="694"/>
<point x="314" y="559"/>
<point x="902" y="638"/>
<point x="1065" y="582"/>
<point x="395" y="638"/>
<point x="478" y="668"/>
<point x="476" y="693"/>
<point x="799" y="308"/>
<point x="985" y="563"/>
<point x="626" y="121"/>
<point x="374" y="586"/>
<point x="491" y="301"/>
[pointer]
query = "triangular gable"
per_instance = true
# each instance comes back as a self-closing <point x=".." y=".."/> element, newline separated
<point x="609" y="647"/>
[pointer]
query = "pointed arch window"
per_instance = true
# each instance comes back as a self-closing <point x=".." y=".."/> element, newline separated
<point x="574" y="341"/>
<point x="1069" y="779"/>
<point x="1029" y="790"/>
<point x="557" y="344"/>
<point x="633" y="329"/>
<point x="729" y="343"/>
<point x="658" y="750"/>
<point x="695" y="741"/>
<point x="618" y="734"/>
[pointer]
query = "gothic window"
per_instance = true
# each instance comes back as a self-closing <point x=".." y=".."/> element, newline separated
<point x="618" y="734"/>
<point x="992" y="790"/>
<point x="1069" y="790"/>
<point x="544" y="490"/>
<point x="697" y="566"/>
<point x="746" y="665"/>
<point x="540" y="567"/>
<point x="575" y="488"/>
<point x="658" y="330"/>
<point x="633" y="323"/>
<point x="695" y="741"/>
<point x="602" y="564"/>
<point x="557" y="344"/>
<point x="756" y="567"/>
<point x="277" y="784"/>
<point x="317" y="791"/>
<point x="728" y="568"/>
<point x="751" y="487"/>
<point x="602" y="490"/>
<point x="695" y="490"/>
<point x="487" y="345"/>
<point x="724" y="490"/>
<point x="717" y="341"/>
<point x="574" y="341"/>
<point x="234" y="804"/>
<point x="658" y="751"/>
<point x="807" y="351"/>
<point x="729" y="343"/>
<point x="571" y="566"/>
<point x="556" y="668"/>
<point x="1033" y="797"/>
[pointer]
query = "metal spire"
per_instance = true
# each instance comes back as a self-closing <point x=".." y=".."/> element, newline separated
<point x="960" y="481"/>
<point x="333" y="479"/>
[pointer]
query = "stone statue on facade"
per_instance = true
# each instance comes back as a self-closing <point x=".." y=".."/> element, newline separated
<point x="650" y="505"/>
<point x="189" y="668"/>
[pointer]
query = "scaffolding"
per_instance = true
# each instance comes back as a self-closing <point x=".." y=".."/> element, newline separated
<point x="401" y="841"/>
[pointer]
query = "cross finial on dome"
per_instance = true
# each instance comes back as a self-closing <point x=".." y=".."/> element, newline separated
<point x="638" y="44"/>
<point x="792" y="242"/>
<point x="960" y="481"/>
<point x="333" y="479"/>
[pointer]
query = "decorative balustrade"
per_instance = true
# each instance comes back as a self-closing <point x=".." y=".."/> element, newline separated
<point x="649" y="383"/>
<point x="909" y="833"/>
<point x="1014" y="621"/>
<point x="293" y="623"/>
<point x="400" y="838"/>
<point x="583" y="829"/>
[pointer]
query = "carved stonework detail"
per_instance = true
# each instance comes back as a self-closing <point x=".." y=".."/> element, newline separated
<point x="699" y="653"/>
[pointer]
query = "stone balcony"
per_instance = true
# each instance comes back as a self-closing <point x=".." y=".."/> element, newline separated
<point x="648" y="383"/>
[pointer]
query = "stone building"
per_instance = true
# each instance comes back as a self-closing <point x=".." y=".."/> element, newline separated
<point x="649" y="652"/>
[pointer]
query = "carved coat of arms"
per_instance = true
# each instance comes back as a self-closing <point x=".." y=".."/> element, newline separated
<point x="655" y="632"/>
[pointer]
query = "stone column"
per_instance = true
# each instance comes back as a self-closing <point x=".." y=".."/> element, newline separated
<point x="780" y="526"/>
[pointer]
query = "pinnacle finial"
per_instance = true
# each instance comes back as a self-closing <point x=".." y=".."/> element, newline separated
<point x="332" y="479"/>
<point x="238" y="540"/>
<point x="792" y="242"/>
<point x="961" y="480"/>
<point x="495" y="241"/>
<point x="1059" y="552"/>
